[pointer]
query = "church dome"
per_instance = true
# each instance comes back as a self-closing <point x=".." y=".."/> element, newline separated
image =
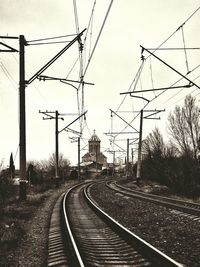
<point x="94" y="138"/>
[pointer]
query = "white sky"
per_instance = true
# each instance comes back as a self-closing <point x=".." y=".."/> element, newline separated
<point x="112" y="69"/>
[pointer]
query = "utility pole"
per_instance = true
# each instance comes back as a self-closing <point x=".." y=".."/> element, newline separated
<point x="127" y="161"/>
<point x="113" y="163"/>
<point x="22" y="119"/>
<point x="138" y="175"/>
<point x="77" y="139"/>
<point x="22" y="109"/>
<point x="153" y="112"/>
<point x="132" y="156"/>
<point x="22" y="97"/>
<point x="56" y="117"/>
<point x="96" y="160"/>
<point x="79" y="157"/>
<point x="56" y="143"/>
<point x="66" y="128"/>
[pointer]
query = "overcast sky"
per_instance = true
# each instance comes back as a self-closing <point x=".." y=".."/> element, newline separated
<point x="112" y="69"/>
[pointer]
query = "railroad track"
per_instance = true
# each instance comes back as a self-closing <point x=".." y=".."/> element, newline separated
<point x="92" y="238"/>
<point x="175" y="204"/>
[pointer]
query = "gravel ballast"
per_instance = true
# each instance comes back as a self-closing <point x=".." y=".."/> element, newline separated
<point x="32" y="249"/>
<point x="175" y="235"/>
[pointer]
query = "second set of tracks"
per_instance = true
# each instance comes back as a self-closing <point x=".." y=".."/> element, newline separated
<point x="91" y="238"/>
<point x="186" y="207"/>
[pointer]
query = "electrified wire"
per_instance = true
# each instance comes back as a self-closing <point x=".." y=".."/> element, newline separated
<point x="149" y="56"/>
<point x="76" y="17"/>
<point x="16" y="153"/>
<point x="185" y="52"/>
<point x="81" y="67"/>
<point x="72" y="68"/>
<point x="51" y="38"/>
<point x="173" y="85"/>
<point x="89" y="27"/>
<point x="8" y="75"/>
<point x="183" y="96"/>
<point x="98" y="37"/>
<point x="135" y="80"/>
<point x="151" y="74"/>
<point x="48" y="43"/>
<point x="176" y="30"/>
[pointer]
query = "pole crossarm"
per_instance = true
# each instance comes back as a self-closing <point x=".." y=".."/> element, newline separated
<point x="124" y="150"/>
<point x="123" y="120"/>
<point x="50" y="117"/>
<point x="140" y="97"/>
<point x="72" y="122"/>
<point x="9" y="37"/>
<point x="130" y="93"/>
<point x="48" y="64"/>
<point x="49" y="78"/>
<point x="175" y="48"/>
<point x="73" y="131"/>
<point x="133" y="139"/>
<point x="158" y="89"/>
<point x="169" y="66"/>
<point x="114" y="151"/>
<point x="10" y="49"/>
<point x="154" y="113"/>
<point x="111" y="133"/>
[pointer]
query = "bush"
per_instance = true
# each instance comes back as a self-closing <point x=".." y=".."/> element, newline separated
<point x="181" y="174"/>
<point x="7" y="189"/>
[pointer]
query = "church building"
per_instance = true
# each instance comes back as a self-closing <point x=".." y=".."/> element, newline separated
<point x="94" y="157"/>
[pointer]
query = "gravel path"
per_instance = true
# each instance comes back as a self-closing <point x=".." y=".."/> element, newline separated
<point x="175" y="235"/>
<point x="32" y="251"/>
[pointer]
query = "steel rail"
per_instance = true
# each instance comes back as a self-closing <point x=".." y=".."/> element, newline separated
<point x="130" y="236"/>
<point x="79" y="261"/>
<point x="185" y="206"/>
<point x="93" y="250"/>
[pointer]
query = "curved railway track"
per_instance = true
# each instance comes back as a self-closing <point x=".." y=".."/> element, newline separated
<point x="172" y="203"/>
<point x="92" y="238"/>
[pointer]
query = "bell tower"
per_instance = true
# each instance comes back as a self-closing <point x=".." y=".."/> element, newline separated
<point x="94" y="144"/>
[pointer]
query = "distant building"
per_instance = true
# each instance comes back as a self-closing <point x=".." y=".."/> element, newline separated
<point x="94" y="158"/>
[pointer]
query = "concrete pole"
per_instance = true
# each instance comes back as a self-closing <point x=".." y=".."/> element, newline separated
<point x="79" y="175"/>
<point x="138" y="175"/>
<point x="113" y="171"/>
<point x="56" y="143"/>
<point x="22" y="110"/>
<point x="132" y="156"/>
<point x="127" y="161"/>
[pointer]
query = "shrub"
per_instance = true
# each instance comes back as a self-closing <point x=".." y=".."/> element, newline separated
<point x="7" y="189"/>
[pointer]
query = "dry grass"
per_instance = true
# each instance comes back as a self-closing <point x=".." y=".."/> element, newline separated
<point x="13" y="218"/>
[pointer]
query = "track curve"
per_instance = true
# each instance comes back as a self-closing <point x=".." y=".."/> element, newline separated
<point x="98" y="240"/>
<point x="172" y="203"/>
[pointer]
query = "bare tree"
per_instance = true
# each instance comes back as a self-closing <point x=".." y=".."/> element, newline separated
<point x="153" y="146"/>
<point x="50" y="163"/>
<point x="184" y="128"/>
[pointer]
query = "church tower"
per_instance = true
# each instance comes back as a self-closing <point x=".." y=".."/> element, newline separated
<point x="94" y="144"/>
<point x="94" y="154"/>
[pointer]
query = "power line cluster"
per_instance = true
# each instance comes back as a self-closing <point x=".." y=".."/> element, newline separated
<point x="84" y="59"/>
<point x="149" y="68"/>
